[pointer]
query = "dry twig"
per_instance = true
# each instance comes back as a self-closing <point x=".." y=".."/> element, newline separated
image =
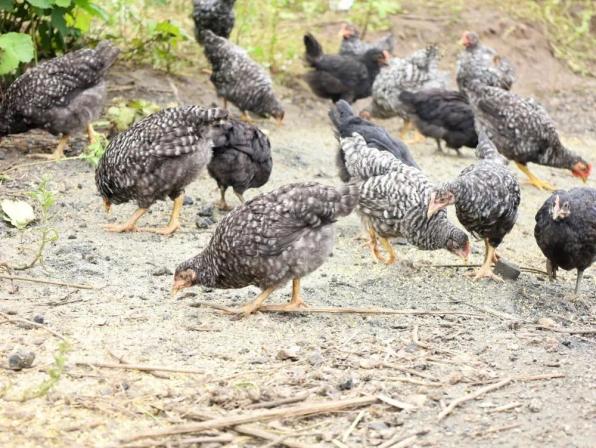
<point x="45" y="281"/>
<point x="458" y="401"/>
<point x="141" y="367"/>
<point x="403" y="441"/>
<point x="275" y="403"/>
<point x="8" y="319"/>
<point x="351" y="428"/>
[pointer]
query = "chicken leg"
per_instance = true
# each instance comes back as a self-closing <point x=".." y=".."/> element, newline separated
<point x="128" y="226"/>
<point x="173" y="224"/>
<point x="296" y="302"/>
<point x="58" y="152"/>
<point x="253" y="306"/>
<point x="534" y="180"/>
<point x="90" y="134"/>
<point x="486" y="271"/>
<point x="375" y="248"/>
<point x="240" y="197"/>
<point x="405" y="129"/>
<point x="580" y="274"/>
<point x="222" y="204"/>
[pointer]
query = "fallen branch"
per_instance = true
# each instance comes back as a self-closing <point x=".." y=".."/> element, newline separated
<point x="41" y="162"/>
<point x="468" y="397"/>
<point x="566" y="330"/>
<point x="346" y="310"/>
<point x="461" y="266"/>
<point x="225" y="438"/>
<point x="275" y="403"/>
<point x="45" y="281"/>
<point x="524" y="378"/>
<point x="352" y="427"/>
<point x="403" y="441"/>
<point x="494" y="429"/>
<point x="396" y="403"/>
<point x="410" y="371"/>
<point x="141" y="367"/>
<point x="224" y="422"/>
<point x="8" y="319"/>
<point x="506" y="407"/>
<point x="496" y="313"/>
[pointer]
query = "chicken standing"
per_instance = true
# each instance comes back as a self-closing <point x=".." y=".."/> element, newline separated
<point x="523" y="132"/>
<point x="478" y="62"/>
<point x="341" y="77"/>
<point x="418" y="71"/>
<point x="442" y="115"/>
<point x="566" y="231"/>
<point x="61" y="96"/>
<point x="157" y="157"/>
<point x="239" y="79"/>
<point x="214" y="15"/>
<point x="346" y="123"/>
<point x="271" y="239"/>
<point x="394" y="200"/>
<point x="351" y="45"/>
<point x="241" y="159"/>
<point x="486" y="197"/>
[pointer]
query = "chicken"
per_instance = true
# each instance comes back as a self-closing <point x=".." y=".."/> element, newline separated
<point x="341" y="77"/>
<point x="241" y="159"/>
<point x="346" y="123"/>
<point x="61" y="96"/>
<point x="239" y="79"/>
<point x="214" y="15"/>
<point x="482" y="63"/>
<point x="566" y="231"/>
<point x="394" y="200"/>
<point x="442" y="115"/>
<point x="351" y="45"/>
<point x="523" y="132"/>
<point x="157" y="157"/>
<point x="418" y="71"/>
<point x="486" y="197"/>
<point x="271" y="239"/>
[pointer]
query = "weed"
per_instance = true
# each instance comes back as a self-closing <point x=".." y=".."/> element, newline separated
<point x="95" y="150"/>
<point x="54" y="374"/>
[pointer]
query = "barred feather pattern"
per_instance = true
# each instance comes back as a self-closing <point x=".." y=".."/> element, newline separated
<point x="394" y="198"/>
<point x="487" y="195"/>
<point x="519" y="127"/>
<point x="239" y="79"/>
<point x="214" y="15"/>
<point x="485" y="65"/>
<point x="60" y="95"/>
<point x="287" y="233"/>
<point x="417" y="72"/>
<point x="158" y="156"/>
<point x="354" y="46"/>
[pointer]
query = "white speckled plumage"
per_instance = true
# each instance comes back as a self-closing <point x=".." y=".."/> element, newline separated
<point x="214" y="15"/>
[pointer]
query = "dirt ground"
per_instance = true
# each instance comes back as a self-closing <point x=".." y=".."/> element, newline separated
<point x="524" y="334"/>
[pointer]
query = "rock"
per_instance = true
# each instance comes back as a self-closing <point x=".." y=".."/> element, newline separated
<point x="315" y="358"/>
<point x="290" y="353"/>
<point x="203" y="223"/>
<point x="206" y="211"/>
<point x="2" y="155"/>
<point x="507" y="270"/>
<point x="161" y="271"/>
<point x="20" y="359"/>
<point x="535" y="405"/>
<point x="378" y="425"/>
<point x="347" y="383"/>
<point x="455" y="377"/>
<point x="188" y="201"/>
<point x="72" y="237"/>
<point x="546" y="322"/>
<point x="39" y="319"/>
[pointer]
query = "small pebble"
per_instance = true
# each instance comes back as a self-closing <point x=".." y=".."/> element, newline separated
<point x="378" y="426"/>
<point x="203" y="223"/>
<point x="20" y="359"/>
<point x="206" y="211"/>
<point x="161" y="271"/>
<point x="39" y="319"/>
<point x="535" y="405"/>
<point x="72" y="237"/>
<point x="315" y="358"/>
<point x="290" y="353"/>
<point x="188" y="201"/>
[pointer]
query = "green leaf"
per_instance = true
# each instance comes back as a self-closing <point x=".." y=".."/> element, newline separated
<point x="59" y="22"/>
<point x="92" y="9"/>
<point x="42" y="4"/>
<point x="63" y="3"/>
<point x="16" y="48"/>
<point x="7" y="5"/>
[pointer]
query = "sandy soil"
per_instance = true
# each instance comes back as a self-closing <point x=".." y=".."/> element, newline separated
<point x="498" y="334"/>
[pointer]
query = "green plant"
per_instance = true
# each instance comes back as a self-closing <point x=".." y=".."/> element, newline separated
<point x="125" y="113"/>
<point x="373" y="14"/>
<point x="16" y="48"/>
<point x="54" y="374"/>
<point x="95" y="150"/>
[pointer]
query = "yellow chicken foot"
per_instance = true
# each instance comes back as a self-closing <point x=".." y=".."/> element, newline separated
<point x="128" y="226"/>
<point x="534" y="180"/>
<point x="246" y="118"/>
<point x="295" y="303"/>
<point x="485" y="271"/>
<point x="222" y="204"/>
<point x="390" y="250"/>
<point x="418" y="137"/>
<point x="405" y="129"/>
<point x="253" y="306"/>
<point x="174" y="223"/>
<point x="90" y="134"/>
<point x="58" y="152"/>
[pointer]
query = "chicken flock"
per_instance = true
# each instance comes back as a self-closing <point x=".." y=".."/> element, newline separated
<point x="287" y="233"/>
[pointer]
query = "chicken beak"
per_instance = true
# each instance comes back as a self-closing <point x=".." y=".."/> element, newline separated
<point x="107" y="205"/>
<point x="433" y="208"/>
<point x="177" y="286"/>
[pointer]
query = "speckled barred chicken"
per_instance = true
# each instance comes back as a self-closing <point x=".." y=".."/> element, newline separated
<point x="240" y="80"/>
<point x="157" y="157"/>
<point x="486" y="197"/>
<point x="478" y="62"/>
<point x="416" y="72"/>
<point x="241" y="159"/>
<point x="394" y="200"/>
<point x="346" y="123"/>
<point x="566" y="231"/>
<point x="214" y="15"/>
<point x="523" y="132"/>
<point x="442" y="115"/>
<point x="271" y="239"/>
<point x="352" y="45"/>
<point x="61" y="96"/>
<point x="340" y="77"/>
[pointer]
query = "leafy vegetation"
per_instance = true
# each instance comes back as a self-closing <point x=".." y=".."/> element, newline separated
<point x="54" y="374"/>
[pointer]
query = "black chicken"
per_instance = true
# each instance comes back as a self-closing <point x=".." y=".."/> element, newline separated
<point x="342" y="77"/>
<point x="271" y="239"/>
<point x="346" y="123"/>
<point x="61" y="95"/>
<point x="566" y="231"/>
<point x="214" y="15"/>
<point x="442" y="115"/>
<point x="241" y="159"/>
<point x="157" y="157"/>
